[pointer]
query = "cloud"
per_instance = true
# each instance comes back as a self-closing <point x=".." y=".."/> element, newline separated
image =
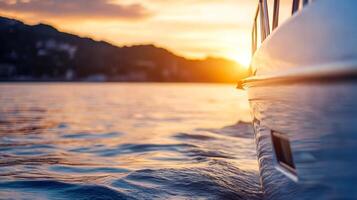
<point x="76" y="8"/>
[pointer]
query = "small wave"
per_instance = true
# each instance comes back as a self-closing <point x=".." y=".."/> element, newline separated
<point x="92" y="135"/>
<point x="203" y="154"/>
<point x="139" y="148"/>
<point x="187" y="136"/>
<point x="220" y="180"/>
<point x="240" y="129"/>
<point x="12" y="160"/>
<point x="81" y="169"/>
<point x="54" y="189"/>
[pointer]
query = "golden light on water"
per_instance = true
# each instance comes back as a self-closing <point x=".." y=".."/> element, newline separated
<point x="116" y="118"/>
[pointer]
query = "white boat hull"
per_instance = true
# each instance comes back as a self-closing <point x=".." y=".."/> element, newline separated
<point x="303" y="96"/>
<point x="321" y="123"/>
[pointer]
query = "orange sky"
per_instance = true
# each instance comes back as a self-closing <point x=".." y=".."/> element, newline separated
<point x="192" y="28"/>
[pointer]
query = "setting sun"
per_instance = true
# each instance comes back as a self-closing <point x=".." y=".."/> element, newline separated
<point x="205" y="28"/>
<point x="242" y="59"/>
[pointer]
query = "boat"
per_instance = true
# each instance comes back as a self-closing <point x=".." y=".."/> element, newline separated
<point x="302" y="91"/>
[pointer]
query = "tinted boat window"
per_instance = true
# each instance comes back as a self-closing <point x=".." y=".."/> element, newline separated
<point x="282" y="150"/>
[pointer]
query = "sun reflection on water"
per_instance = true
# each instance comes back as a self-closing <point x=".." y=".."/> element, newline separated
<point x="103" y="133"/>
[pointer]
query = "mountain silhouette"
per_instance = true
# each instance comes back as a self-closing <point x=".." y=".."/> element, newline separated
<point x="42" y="53"/>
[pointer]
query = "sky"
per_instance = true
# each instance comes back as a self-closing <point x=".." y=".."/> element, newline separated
<point x="190" y="28"/>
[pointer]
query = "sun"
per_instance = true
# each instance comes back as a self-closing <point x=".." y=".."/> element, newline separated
<point x="242" y="59"/>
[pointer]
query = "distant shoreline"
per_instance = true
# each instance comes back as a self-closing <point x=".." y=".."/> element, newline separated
<point x="41" y="53"/>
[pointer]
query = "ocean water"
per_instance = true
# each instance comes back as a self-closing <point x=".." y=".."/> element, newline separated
<point x="126" y="141"/>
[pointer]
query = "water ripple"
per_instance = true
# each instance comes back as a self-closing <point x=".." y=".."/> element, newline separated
<point x="119" y="141"/>
<point x="55" y="189"/>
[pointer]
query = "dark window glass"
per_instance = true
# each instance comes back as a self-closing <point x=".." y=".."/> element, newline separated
<point x="282" y="150"/>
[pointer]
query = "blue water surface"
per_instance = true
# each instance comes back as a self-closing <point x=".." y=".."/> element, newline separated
<point x="126" y="141"/>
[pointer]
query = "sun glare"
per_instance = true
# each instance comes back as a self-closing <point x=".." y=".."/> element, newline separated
<point x="242" y="59"/>
<point x="190" y="36"/>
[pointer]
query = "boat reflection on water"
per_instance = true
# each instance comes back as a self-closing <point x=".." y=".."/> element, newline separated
<point x="303" y="95"/>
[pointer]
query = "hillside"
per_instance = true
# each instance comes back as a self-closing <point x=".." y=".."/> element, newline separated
<point x="42" y="53"/>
